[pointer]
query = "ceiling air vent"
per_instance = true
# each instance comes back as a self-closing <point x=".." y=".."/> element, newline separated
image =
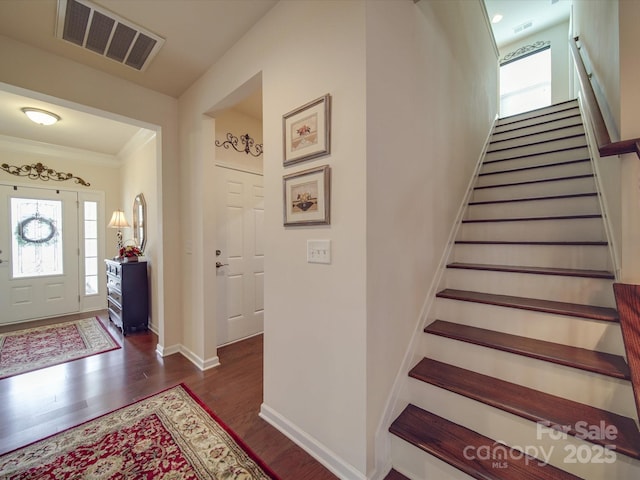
<point x="101" y="31"/>
<point x="522" y="26"/>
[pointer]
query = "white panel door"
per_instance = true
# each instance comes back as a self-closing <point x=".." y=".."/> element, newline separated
<point x="240" y="276"/>
<point x="39" y="253"/>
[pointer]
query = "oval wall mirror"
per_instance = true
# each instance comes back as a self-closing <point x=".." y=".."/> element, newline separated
<point x="140" y="221"/>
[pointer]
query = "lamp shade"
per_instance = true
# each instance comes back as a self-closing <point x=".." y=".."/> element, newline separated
<point x="118" y="220"/>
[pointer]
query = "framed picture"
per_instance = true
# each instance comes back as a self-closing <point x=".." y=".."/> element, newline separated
<point x="307" y="197"/>
<point x="306" y="131"/>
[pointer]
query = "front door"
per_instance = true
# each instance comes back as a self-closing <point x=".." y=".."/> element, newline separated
<point x="240" y="274"/>
<point x="38" y="253"/>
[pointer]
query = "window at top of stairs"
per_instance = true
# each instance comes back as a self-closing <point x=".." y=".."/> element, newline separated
<point x="525" y="83"/>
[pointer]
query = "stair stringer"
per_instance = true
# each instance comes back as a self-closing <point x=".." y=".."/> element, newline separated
<point x="594" y="155"/>
<point x="397" y="398"/>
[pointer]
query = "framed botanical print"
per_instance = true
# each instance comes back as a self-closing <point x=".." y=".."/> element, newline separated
<point x="307" y="197"/>
<point x="306" y="131"/>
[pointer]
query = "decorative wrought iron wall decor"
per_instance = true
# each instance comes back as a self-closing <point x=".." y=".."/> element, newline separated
<point x="38" y="171"/>
<point x="246" y="140"/>
<point x="524" y="51"/>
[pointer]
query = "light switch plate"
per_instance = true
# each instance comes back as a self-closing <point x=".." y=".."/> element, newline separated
<point x="319" y="251"/>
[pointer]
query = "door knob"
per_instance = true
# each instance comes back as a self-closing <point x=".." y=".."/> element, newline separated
<point x="220" y="264"/>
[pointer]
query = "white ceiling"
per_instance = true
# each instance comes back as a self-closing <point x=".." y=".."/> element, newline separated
<point x="541" y="13"/>
<point x="196" y="32"/>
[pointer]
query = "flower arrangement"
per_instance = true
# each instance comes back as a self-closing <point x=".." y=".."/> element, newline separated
<point x="304" y="130"/>
<point x="129" y="251"/>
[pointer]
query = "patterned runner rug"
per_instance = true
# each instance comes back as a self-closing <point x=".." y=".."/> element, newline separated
<point x="170" y="435"/>
<point x="34" y="348"/>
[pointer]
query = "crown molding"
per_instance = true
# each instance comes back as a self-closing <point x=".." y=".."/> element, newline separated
<point x="139" y="140"/>
<point x="31" y="147"/>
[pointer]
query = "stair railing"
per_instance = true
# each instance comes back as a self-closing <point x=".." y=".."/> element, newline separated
<point x="627" y="296"/>
<point x="606" y="147"/>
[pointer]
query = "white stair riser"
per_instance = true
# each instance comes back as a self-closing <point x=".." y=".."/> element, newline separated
<point x="540" y="115"/>
<point x="535" y="190"/>
<point x="537" y="148"/>
<point x="580" y="153"/>
<point x="573" y="331"/>
<point x="415" y="464"/>
<point x="516" y="431"/>
<point x="528" y="175"/>
<point x="593" y="389"/>
<point x="587" y="291"/>
<point x="538" y="208"/>
<point x="566" y="120"/>
<point x="541" y="135"/>
<point x="579" y="257"/>
<point x="583" y="229"/>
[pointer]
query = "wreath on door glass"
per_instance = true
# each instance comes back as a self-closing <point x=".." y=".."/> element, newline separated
<point x="36" y="230"/>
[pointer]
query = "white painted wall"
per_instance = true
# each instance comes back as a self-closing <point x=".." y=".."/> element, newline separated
<point x="138" y="175"/>
<point x="91" y="90"/>
<point x="84" y="164"/>
<point x="629" y="13"/>
<point x="335" y="335"/>
<point x="237" y="123"/>
<point x="597" y="25"/>
<point x="610" y="37"/>
<point x="315" y="318"/>
<point x="431" y="101"/>
<point x="558" y="35"/>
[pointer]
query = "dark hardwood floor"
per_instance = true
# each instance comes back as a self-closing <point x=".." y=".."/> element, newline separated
<point x="41" y="403"/>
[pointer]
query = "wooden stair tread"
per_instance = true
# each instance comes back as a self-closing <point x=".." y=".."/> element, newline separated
<point x="447" y="441"/>
<point x="535" y="199"/>
<point x="529" y="219"/>
<point x="563" y="116"/>
<point x="547" y="306"/>
<point x="582" y="358"/>
<point x="543" y="127"/>
<point x="395" y="475"/>
<point x="541" y="112"/>
<point x="525" y="155"/>
<point x="532" y="404"/>
<point x="539" y="142"/>
<point x="529" y="182"/>
<point x="568" y="272"/>
<point x="533" y="167"/>
<point x="524" y="242"/>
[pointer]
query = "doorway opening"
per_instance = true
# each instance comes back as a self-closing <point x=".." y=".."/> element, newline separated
<point x="239" y="215"/>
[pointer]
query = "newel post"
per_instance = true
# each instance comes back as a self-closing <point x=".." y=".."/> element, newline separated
<point x="628" y="302"/>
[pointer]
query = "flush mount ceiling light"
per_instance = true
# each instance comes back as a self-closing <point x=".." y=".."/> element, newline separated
<point x="41" y="117"/>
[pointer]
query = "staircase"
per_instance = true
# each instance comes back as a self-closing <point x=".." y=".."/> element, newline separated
<point x="521" y="372"/>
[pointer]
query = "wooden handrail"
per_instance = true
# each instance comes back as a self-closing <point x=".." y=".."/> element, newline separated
<point x="606" y="147"/>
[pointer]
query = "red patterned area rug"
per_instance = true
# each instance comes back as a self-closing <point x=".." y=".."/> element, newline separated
<point x="35" y="348"/>
<point x="170" y="435"/>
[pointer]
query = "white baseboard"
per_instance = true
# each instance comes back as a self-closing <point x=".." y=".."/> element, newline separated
<point x="192" y="357"/>
<point x="321" y="453"/>
<point x="166" y="351"/>
<point x="199" y="362"/>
